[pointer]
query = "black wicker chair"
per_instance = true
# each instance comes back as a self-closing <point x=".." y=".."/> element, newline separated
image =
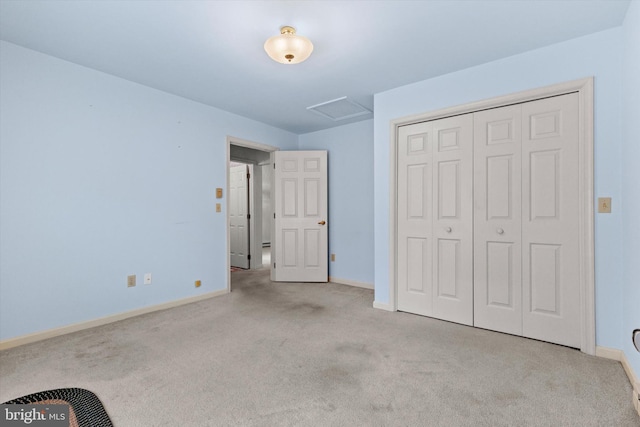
<point x="86" y="406"/>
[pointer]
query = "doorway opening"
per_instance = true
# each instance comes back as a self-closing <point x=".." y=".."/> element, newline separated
<point x="248" y="238"/>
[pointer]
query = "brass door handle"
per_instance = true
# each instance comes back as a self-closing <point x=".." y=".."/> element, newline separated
<point x="322" y="222"/>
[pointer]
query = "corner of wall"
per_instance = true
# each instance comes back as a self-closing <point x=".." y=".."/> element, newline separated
<point x="619" y="355"/>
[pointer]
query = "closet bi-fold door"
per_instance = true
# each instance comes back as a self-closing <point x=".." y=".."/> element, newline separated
<point x="497" y="219"/>
<point x="415" y="212"/>
<point x="550" y="220"/>
<point x="435" y="226"/>
<point x="453" y="219"/>
<point x="526" y="219"/>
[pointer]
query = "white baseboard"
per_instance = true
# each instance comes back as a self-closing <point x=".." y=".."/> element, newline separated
<point x="383" y="306"/>
<point x="615" y="354"/>
<point x="50" y="333"/>
<point x="351" y="282"/>
<point x="609" y="353"/>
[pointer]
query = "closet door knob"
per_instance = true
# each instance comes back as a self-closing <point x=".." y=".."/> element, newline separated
<point x="447" y="229"/>
<point x="500" y="231"/>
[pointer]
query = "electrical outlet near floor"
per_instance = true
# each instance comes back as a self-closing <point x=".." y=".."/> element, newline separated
<point x="147" y="278"/>
<point x="198" y="283"/>
<point x="131" y="281"/>
<point x="333" y="257"/>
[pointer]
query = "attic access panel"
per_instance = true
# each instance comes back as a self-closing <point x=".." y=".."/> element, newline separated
<point x="339" y="109"/>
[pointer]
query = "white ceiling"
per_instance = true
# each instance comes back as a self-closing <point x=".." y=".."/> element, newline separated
<point x="211" y="51"/>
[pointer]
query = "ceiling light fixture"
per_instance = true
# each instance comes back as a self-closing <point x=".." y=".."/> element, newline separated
<point x="288" y="47"/>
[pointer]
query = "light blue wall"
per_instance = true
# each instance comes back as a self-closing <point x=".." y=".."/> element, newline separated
<point x="631" y="180"/>
<point x="598" y="55"/>
<point x="101" y="178"/>
<point x="350" y="223"/>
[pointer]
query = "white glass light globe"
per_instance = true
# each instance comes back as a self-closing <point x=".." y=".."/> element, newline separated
<point x="288" y="47"/>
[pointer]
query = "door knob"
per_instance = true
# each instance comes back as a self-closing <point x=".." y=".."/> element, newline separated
<point x="447" y="229"/>
<point x="500" y="231"/>
<point x="322" y="222"/>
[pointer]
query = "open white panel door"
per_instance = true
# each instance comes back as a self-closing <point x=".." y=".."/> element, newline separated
<point x="300" y="239"/>
<point x="238" y="216"/>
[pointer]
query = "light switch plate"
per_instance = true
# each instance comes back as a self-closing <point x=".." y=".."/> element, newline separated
<point x="218" y="207"/>
<point x="604" y="204"/>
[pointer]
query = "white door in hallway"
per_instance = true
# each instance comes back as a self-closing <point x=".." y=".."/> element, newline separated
<point x="238" y="215"/>
<point x="435" y="226"/>
<point x="300" y="238"/>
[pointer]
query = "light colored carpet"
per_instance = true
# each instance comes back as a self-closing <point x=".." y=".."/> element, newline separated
<point x="318" y="354"/>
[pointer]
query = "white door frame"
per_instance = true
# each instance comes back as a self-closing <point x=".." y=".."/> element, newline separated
<point x="231" y="140"/>
<point x="584" y="87"/>
<point x="255" y="220"/>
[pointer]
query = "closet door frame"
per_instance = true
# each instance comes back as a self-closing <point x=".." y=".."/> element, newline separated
<point x="584" y="88"/>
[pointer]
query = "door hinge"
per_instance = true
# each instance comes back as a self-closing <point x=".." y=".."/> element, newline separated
<point x="248" y="216"/>
<point x="249" y="257"/>
<point x="248" y="175"/>
<point x="274" y="215"/>
<point x="274" y="265"/>
<point x="274" y="165"/>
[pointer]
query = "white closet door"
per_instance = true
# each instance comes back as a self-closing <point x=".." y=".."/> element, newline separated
<point x="435" y="226"/>
<point x="415" y="207"/>
<point x="488" y="219"/>
<point x="550" y="229"/>
<point x="453" y="219"/>
<point x="497" y="219"/>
